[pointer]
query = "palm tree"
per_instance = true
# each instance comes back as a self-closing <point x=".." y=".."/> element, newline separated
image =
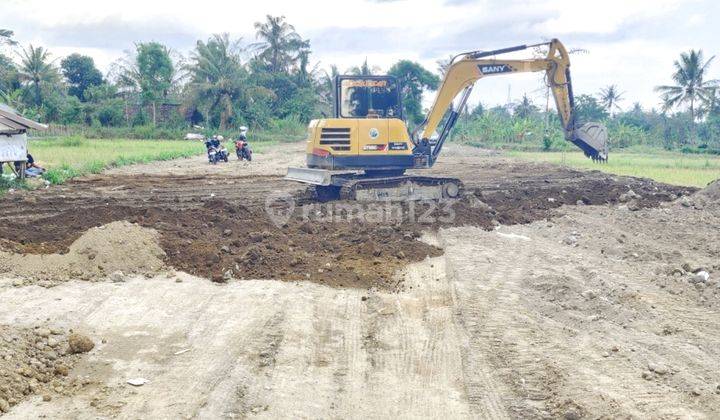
<point x="690" y="87"/>
<point x="444" y="64"/>
<point x="37" y="72"/>
<point x="279" y="46"/>
<point x="364" y="69"/>
<point x="152" y="80"/>
<point x="6" y="37"/>
<point x="217" y="77"/>
<point x="610" y="96"/>
<point x="525" y="108"/>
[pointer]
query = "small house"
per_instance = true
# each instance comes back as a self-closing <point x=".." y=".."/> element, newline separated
<point x="13" y="140"/>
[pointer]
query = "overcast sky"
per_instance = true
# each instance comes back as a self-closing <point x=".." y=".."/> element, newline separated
<point x="631" y="43"/>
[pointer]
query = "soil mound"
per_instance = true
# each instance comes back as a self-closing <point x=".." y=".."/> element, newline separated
<point x="711" y="192"/>
<point x="223" y="241"/>
<point x="99" y="252"/>
<point x="33" y="361"/>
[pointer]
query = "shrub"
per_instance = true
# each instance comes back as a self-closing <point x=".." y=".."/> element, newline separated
<point x="73" y="141"/>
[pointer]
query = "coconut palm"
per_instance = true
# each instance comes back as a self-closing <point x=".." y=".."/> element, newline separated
<point x="6" y="37"/>
<point x="279" y="46"/>
<point x="37" y="72"/>
<point x="364" y="69"/>
<point x="217" y="77"/>
<point x="690" y="87"/>
<point x="525" y="108"/>
<point x="610" y="97"/>
<point x="443" y="64"/>
<point x="326" y="81"/>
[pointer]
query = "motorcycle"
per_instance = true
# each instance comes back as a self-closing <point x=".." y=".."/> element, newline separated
<point x="242" y="150"/>
<point x="216" y="154"/>
<point x="212" y="155"/>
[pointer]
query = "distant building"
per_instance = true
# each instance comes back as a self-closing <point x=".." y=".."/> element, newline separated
<point x="13" y="138"/>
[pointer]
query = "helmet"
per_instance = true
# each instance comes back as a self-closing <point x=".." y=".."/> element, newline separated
<point x="221" y="138"/>
<point x="243" y="129"/>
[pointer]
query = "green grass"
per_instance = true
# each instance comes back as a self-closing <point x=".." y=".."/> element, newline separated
<point x="668" y="167"/>
<point x="11" y="183"/>
<point x="69" y="157"/>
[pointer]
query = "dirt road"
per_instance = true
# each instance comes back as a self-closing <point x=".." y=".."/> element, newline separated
<point x="563" y="310"/>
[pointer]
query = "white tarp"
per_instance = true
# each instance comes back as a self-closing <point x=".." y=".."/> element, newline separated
<point x="13" y="147"/>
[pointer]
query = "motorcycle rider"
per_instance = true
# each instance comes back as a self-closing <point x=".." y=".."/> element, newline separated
<point x="213" y="147"/>
<point x="242" y="146"/>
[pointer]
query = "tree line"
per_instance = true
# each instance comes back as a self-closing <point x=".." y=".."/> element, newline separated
<point x="688" y="118"/>
<point x="224" y="83"/>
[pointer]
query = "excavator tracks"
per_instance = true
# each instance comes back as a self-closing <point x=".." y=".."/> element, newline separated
<point x="401" y="188"/>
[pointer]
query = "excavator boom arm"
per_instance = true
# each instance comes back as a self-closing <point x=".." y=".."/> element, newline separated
<point x="462" y="74"/>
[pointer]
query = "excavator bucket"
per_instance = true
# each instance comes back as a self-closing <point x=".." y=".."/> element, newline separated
<point x="592" y="139"/>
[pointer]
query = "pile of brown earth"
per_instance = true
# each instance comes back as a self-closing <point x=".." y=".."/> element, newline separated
<point x="711" y="192"/>
<point x="100" y="251"/>
<point x="220" y="241"/>
<point x="37" y="361"/>
<point x="223" y="241"/>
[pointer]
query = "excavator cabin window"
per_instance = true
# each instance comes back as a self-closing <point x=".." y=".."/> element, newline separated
<point x="367" y="97"/>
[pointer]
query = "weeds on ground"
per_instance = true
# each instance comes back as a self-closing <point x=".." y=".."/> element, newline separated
<point x="11" y="184"/>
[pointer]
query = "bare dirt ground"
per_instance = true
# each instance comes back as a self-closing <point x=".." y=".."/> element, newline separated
<point x="548" y="293"/>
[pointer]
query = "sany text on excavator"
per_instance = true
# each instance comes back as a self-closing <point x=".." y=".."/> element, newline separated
<point x="363" y="152"/>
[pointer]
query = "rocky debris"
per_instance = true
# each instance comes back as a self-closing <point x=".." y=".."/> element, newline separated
<point x="686" y="202"/>
<point x="634" y="205"/>
<point x="589" y="294"/>
<point x="571" y="239"/>
<point x="658" y="369"/>
<point x="32" y="363"/>
<point x="78" y="343"/>
<point x="117" y="277"/>
<point x="691" y="268"/>
<point x="137" y="381"/>
<point x="478" y="204"/>
<point x="629" y="196"/>
<point x="699" y="277"/>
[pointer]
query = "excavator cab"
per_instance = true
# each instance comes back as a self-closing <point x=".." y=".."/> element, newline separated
<point x="367" y="97"/>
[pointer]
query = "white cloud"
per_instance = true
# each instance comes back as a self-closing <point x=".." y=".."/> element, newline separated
<point x="631" y="43"/>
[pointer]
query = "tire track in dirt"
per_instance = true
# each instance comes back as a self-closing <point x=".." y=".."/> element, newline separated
<point x="477" y="300"/>
<point x="551" y="348"/>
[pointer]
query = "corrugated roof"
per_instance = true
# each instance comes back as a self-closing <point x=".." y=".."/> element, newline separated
<point x="16" y="122"/>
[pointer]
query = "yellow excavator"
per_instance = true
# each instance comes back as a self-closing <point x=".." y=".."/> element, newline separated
<point x="363" y="152"/>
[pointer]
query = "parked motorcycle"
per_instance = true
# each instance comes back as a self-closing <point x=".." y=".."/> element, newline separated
<point x="216" y="151"/>
<point x="242" y="150"/>
<point x="212" y="155"/>
<point x="223" y="153"/>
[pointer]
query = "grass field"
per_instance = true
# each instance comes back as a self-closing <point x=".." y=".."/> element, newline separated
<point x="69" y="157"/>
<point x="669" y="167"/>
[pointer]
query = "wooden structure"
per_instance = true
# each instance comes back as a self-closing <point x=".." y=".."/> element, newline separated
<point x="13" y="140"/>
